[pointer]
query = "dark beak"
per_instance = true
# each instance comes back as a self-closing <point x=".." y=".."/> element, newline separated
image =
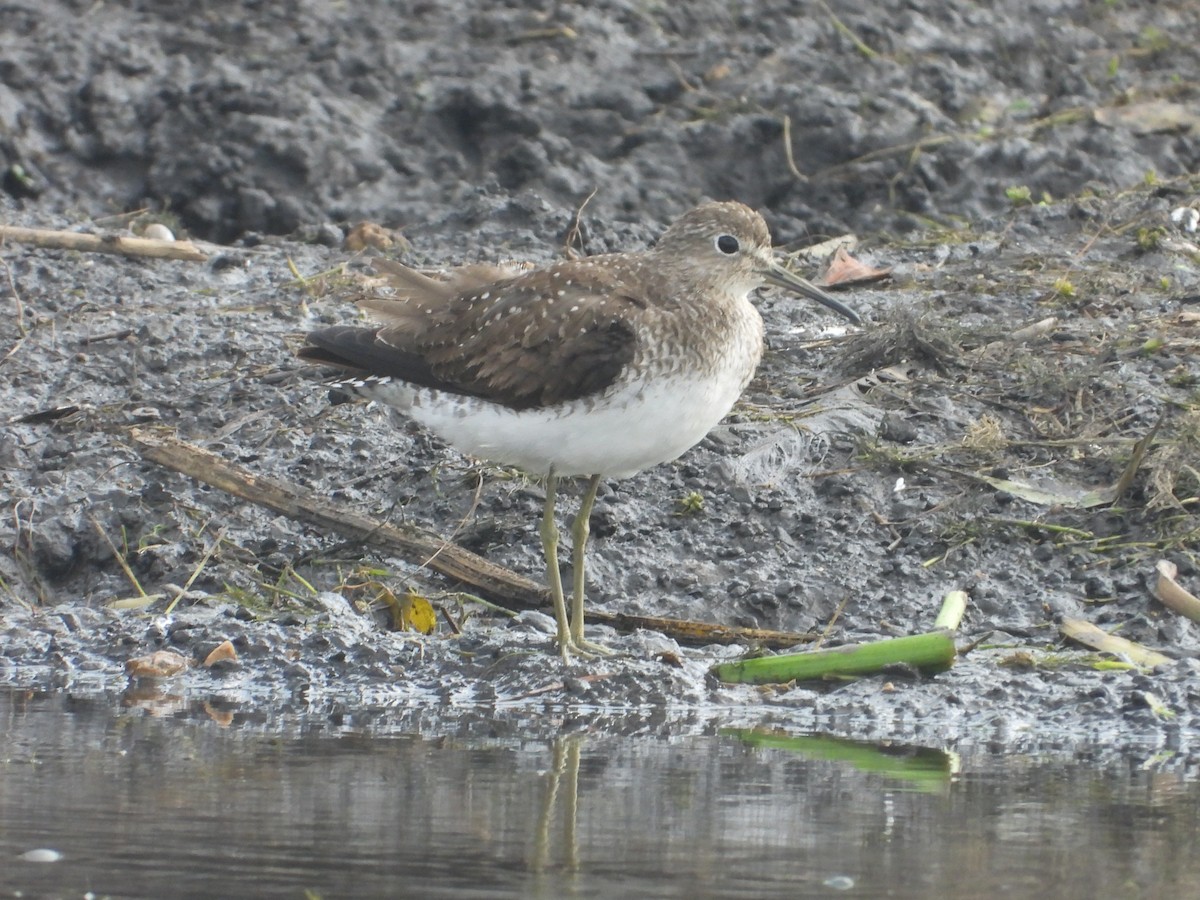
<point x="777" y="275"/>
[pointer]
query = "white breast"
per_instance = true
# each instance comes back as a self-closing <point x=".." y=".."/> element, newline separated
<point x="650" y="416"/>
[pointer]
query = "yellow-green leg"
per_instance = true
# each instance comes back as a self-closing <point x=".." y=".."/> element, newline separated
<point x="570" y="632"/>
<point x="579" y="537"/>
<point x="549" y="532"/>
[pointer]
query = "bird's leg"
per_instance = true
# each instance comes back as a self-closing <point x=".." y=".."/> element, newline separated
<point x="579" y="536"/>
<point x="549" y="532"/>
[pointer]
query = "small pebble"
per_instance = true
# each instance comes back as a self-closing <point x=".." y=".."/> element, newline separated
<point x="157" y="231"/>
<point x="41" y="855"/>
<point x="537" y="620"/>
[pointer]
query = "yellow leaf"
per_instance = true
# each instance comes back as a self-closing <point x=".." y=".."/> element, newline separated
<point x="416" y="614"/>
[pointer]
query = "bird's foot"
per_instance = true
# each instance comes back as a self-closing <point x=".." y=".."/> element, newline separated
<point x="584" y="649"/>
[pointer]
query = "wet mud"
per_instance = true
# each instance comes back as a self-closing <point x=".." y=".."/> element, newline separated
<point x="1026" y="171"/>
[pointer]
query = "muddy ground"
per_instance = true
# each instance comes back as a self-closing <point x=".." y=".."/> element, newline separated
<point x="1014" y="165"/>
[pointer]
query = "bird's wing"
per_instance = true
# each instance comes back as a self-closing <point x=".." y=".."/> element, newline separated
<point x="510" y="339"/>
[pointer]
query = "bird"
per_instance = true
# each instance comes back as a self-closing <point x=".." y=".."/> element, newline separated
<point x="595" y="367"/>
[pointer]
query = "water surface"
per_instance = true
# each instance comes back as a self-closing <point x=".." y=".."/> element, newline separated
<point x="196" y="801"/>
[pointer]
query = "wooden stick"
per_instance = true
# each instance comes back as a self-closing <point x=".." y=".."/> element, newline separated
<point x="103" y="243"/>
<point x="417" y="544"/>
<point x="411" y="542"/>
<point x="687" y="631"/>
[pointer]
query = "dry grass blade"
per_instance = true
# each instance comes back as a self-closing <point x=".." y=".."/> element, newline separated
<point x="200" y="568"/>
<point x="844" y="29"/>
<point x="118" y="555"/>
<point x="1171" y="594"/>
<point x="1091" y="636"/>
<point x="20" y="307"/>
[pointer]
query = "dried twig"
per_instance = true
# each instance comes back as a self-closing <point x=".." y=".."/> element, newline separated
<point x="20" y="307"/>
<point x="787" y="150"/>
<point x="574" y="233"/>
<point x="417" y="544"/>
<point x="103" y="243"/>
<point x="410" y="542"/>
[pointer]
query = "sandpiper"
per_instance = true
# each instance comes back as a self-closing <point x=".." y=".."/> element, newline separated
<point x="596" y="367"/>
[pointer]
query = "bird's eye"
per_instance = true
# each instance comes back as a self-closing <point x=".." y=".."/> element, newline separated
<point x="728" y="244"/>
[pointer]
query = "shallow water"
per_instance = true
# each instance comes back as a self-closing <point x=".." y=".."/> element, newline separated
<point x="197" y="801"/>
